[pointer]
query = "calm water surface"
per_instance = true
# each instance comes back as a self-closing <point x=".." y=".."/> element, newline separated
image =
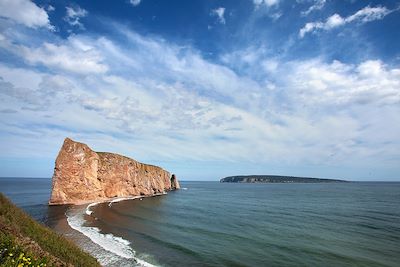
<point x="214" y="224"/>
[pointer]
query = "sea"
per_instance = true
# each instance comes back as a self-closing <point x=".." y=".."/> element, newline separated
<point x="230" y="224"/>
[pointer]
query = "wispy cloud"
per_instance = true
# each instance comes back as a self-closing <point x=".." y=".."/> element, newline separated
<point x="74" y="14"/>
<point x="318" y="5"/>
<point x="152" y="99"/>
<point x="220" y="13"/>
<point x="301" y="111"/>
<point x="268" y="3"/>
<point x="135" y="2"/>
<point x="73" y="55"/>
<point x="367" y="14"/>
<point x="50" y="8"/>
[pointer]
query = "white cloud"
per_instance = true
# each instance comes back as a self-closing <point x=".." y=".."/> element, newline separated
<point x="147" y="98"/>
<point x="270" y="65"/>
<point x="334" y="21"/>
<point x="275" y="16"/>
<point x="74" y="14"/>
<point x="51" y="8"/>
<point x="310" y="27"/>
<point x="338" y="84"/>
<point x="367" y="14"/>
<point x="267" y="3"/>
<point x="313" y="100"/>
<point x="74" y="55"/>
<point x="25" y="12"/>
<point x="134" y="2"/>
<point x="219" y="12"/>
<point x="318" y="5"/>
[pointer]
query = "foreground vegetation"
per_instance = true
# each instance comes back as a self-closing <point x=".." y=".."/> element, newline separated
<point x="25" y="242"/>
<point x="13" y="255"/>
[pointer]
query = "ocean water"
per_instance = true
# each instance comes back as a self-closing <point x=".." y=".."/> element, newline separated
<point x="222" y="224"/>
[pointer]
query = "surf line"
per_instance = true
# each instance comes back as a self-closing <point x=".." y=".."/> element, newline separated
<point x="109" y="242"/>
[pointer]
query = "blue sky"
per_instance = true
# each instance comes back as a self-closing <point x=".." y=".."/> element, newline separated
<point x="205" y="89"/>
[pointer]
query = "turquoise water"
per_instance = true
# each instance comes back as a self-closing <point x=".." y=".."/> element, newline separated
<point x="222" y="224"/>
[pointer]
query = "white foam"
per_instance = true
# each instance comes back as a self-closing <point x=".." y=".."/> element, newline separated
<point x="88" y="211"/>
<point x="119" y="199"/>
<point x="109" y="242"/>
<point x="142" y="263"/>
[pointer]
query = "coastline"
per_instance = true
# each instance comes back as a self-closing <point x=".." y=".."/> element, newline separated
<point x="103" y="200"/>
<point x="162" y="233"/>
<point x="109" y="250"/>
<point x="114" y="200"/>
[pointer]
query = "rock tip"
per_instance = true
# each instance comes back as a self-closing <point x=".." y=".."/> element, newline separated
<point x="174" y="182"/>
<point x="68" y="139"/>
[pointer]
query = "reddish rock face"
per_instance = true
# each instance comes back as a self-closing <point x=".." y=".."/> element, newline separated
<point x="82" y="175"/>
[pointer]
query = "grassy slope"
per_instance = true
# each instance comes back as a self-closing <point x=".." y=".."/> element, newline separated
<point x="19" y="230"/>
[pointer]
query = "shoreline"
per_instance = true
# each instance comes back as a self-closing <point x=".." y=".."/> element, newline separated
<point x="103" y="200"/>
<point x="118" y="247"/>
<point x="115" y="200"/>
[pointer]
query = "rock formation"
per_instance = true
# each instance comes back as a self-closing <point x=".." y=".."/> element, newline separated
<point x="82" y="175"/>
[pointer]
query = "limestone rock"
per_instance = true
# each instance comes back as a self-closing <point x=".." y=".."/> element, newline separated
<point x="82" y="175"/>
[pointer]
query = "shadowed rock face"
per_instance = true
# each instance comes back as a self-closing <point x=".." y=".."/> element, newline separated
<point x="82" y="175"/>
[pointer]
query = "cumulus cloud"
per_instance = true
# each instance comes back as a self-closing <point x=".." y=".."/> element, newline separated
<point x="74" y="14"/>
<point x="318" y="5"/>
<point x="367" y="14"/>
<point x="339" y="84"/>
<point x="25" y="12"/>
<point x="219" y="12"/>
<point x="135" y="2"/>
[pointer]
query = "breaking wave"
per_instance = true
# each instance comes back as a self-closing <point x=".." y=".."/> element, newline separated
<point x="114" y="250"/>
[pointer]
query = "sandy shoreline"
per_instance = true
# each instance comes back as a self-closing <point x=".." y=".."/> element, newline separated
<point x="109" y="242"/>
<point x="108" y="249"/>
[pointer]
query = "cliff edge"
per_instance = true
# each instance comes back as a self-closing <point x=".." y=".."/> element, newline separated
<point x="82" y="175"/>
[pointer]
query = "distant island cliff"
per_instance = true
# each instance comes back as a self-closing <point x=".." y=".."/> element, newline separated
<point x="82" y="175"/>
<point x="275" y="179"/>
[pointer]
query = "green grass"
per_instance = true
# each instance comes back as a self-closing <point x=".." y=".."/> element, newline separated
<point x="19" y="233"/>
<point x="13" y="255"/>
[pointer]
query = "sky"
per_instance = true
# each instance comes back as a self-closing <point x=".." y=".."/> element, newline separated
<point x="204" y="88"/>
